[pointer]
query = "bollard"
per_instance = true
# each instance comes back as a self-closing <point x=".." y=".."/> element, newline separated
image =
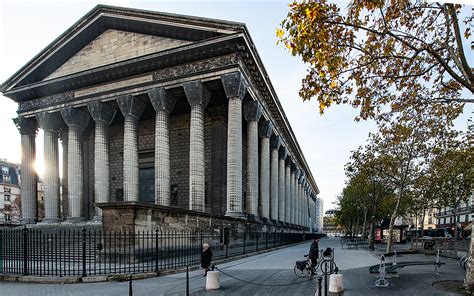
<point x="325" y="278"/>
<point x="187" y="280"/>
<point x="212" y="280"/>
<point x="335" y="283"/>
<point x="319" y="291"/>
<point x="130" y="289"/>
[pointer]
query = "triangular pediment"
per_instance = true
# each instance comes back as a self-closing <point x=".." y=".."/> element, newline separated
<point x="108" y="35"/>
<point x="114" y="46"/>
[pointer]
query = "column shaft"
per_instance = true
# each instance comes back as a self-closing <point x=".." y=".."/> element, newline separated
<point x="162" y="159"/>
<point x="252" y="168"/>
<point x="196" y="159"/>
<point x="130" y="158"/>
<point x="75" y="185"/>
<point x="103" y="114"/>
<point x="64" y="185"/>
<point x="274" y="185"/>
<point x="51" y="176"/>
<point x="287" y="193"/>
<point x="292" y="195"/>
<point x="234" y="158"/>
<point x="265" y="177"/>
<point x="281" y="191"/>
<point x="28" y="179"/>
<point x="295" y="199"/>
<point x="101" y="163"/>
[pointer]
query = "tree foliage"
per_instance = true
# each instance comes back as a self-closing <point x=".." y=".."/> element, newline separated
<point x="380" y="55"/>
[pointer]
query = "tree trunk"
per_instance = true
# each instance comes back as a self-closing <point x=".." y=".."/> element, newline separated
<point x="364" y="224"/>
<point x="469" y="280"/>
<point x="372" y="234"/>
<point x="392" y="220"/>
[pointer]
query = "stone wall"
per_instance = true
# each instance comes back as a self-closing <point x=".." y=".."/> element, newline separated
<point x="133" y="217"/>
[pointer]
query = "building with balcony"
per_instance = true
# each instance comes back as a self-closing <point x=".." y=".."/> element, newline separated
<point x="460" y="217"/>
<point x="10" y="200"/>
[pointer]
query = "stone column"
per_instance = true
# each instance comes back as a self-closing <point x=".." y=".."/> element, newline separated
<point x="265" y="130"/>
<point x="295" y="196"/>
<point x="29" y="181"/>
<point x="132" y="109"/>
<point x="163" y="102"/>
<point x="292" y="193"/>
<point x="77" y="121"/>
<point x="235" y="88"/>
<point x="287" y="191"/>
<point x="300" y="199"/>
<point x="198" y="97"/>
<point x="103" y="114"/>
<point x="252" y="113"/>
<point x="50" y="123"/>
<point x="281" y="184"/>
<point x="274" y="172"/>
<point x="64" y="205"/>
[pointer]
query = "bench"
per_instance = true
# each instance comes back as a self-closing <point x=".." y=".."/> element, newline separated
<point x="392" y="268"/>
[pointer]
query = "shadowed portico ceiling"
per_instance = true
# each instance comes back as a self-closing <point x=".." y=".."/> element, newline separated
<point x="141" y="24"/>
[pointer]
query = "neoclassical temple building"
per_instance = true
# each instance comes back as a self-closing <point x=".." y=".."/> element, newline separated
<point x="158" y="113"/>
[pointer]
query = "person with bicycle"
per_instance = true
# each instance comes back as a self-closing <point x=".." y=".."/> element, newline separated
<point x="314" y="254"/>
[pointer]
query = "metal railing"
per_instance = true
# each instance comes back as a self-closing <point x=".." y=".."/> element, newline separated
<point x="85" y="252"/>
<point x="448" y="247"/>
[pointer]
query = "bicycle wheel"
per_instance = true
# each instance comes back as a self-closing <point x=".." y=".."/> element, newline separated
<point x="331" y="266"/>
<point x="462" y="262"/>
<point x="301" y="273"/>
<point x="466" y="263"/>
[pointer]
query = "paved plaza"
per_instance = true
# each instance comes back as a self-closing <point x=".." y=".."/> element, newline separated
<point x="271" y="272"/>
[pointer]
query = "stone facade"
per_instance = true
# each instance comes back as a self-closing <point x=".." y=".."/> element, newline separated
<point x="163" y="124"/>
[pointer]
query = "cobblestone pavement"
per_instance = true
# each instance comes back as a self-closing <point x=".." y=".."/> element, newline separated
<point x="267" y="270"/>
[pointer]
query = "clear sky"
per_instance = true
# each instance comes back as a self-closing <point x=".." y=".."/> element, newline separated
<point x="26" y="27"/>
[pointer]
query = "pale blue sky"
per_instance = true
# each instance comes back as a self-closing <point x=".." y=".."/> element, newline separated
<point x="26" y="27"/>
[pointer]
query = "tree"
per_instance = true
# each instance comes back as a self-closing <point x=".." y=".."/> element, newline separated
<point x="378" y="194"/>
<point x="380" y="55"/>
<point x="452" y="175"/>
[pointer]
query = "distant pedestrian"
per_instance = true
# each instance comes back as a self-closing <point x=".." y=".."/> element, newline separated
<point x="206" y="258"/>
<point x="314" y="253"/>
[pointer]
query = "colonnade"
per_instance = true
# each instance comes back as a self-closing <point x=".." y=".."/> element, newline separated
<point x="275" y="187"/>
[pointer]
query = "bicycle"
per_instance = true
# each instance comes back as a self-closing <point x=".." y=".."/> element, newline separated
<point x="304" y="268"/>
<point x="464" y="262"/>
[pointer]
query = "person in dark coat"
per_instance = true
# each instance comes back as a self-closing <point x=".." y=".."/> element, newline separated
<point x="206" y="257"/>
<point x="314" y="253"/>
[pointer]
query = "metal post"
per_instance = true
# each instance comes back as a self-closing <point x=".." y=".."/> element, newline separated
<point x="156" y="250"/>
<point x="266" y="240"/>
<point x="326" y="278"/>
<point x="84" y="252"/>
<point x="320" y="286"/>
<point x="187" y="280"/>
<point x="130" y="288"/>
<point x="257" y="234"/>
<point x="245" y="234"/>
<point x="25" y="251"/>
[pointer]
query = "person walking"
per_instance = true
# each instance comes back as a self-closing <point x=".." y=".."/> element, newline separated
<point x="206" y="258"/>
<point x="314" y="253"/>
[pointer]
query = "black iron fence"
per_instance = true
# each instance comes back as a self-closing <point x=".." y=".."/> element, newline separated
<point x="85" y="252"/>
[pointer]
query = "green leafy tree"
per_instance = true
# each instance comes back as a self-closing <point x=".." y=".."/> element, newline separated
<point x="380" y="55"/>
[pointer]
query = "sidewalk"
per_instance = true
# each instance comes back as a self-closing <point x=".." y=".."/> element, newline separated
<point x="273" y="268"/>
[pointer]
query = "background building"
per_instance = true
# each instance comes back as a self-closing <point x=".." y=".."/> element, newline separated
<point x="459" y="218"/>
<point x="10" y="200"/>
<point x="329" y="223"/>
<point x="319" y="215"/>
